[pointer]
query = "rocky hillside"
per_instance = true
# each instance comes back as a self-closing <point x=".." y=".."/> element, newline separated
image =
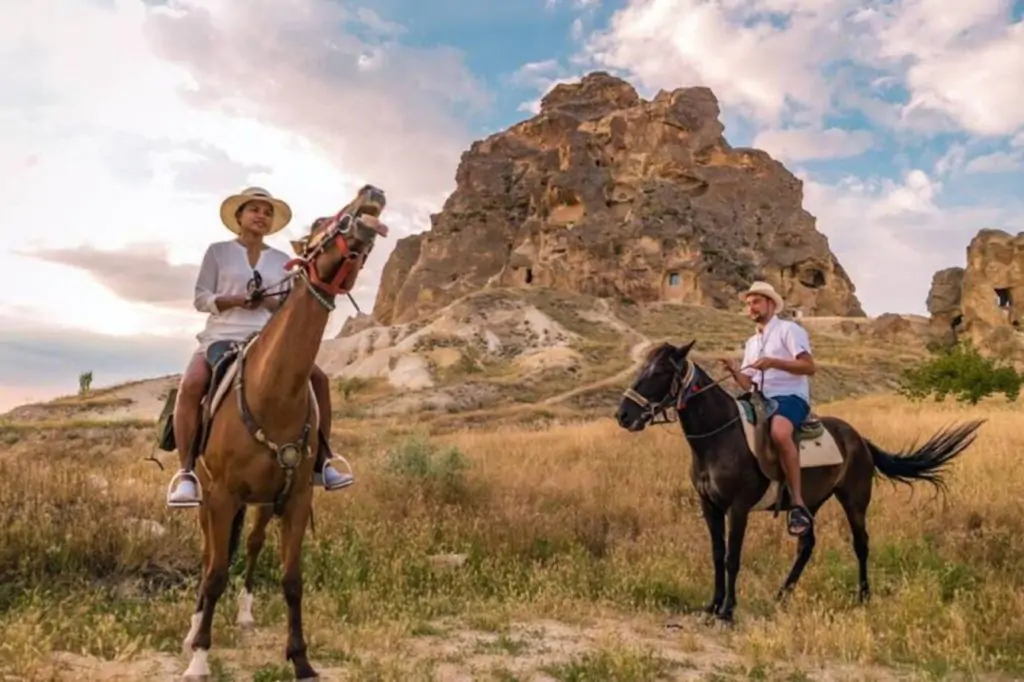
<point x="537" y="350"/>
<point x="606" y="194"/>
<point x="984" y="301"/>
<point x="546" y="347"/>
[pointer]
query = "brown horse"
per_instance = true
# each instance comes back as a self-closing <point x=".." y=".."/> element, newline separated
<point x="730" y="479"/>
<point x="259" y="448"/>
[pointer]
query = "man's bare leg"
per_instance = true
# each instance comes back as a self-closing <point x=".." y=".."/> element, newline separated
<point x="789" y="457"/>
<point x="326" y="475"/>
<point x="186" y="422"/>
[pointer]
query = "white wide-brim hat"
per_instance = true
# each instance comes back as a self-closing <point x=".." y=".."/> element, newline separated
<point x="230" y="206"/>
<point x="767" y="290"/>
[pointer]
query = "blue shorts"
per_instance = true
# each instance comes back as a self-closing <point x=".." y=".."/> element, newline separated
<point x="792" y="407"/>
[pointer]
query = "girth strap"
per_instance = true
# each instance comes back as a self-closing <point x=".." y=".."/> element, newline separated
<point x="288" y="455"/>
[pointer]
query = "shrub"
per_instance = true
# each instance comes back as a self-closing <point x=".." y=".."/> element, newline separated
<point x="960" y="371"/>
<point x="84" y="382"/>
<point x="440" y="473"/>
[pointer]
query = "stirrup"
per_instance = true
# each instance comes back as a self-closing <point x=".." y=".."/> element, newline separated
<point x="180" y="475"/>
<point x="320" y="479"/>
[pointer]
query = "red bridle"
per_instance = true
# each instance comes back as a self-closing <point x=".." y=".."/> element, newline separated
<point x="341" y="226"/>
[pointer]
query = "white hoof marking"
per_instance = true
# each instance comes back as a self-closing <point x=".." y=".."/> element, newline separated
<point x="245" y="618"/>
<point x="186" y="645"/>
<point x="198" y="669"/>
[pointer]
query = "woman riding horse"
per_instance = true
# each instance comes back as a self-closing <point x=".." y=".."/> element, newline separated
<point x="223" y="290"/>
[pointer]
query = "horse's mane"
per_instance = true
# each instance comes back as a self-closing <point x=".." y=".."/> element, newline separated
<point x="655" y="356"/>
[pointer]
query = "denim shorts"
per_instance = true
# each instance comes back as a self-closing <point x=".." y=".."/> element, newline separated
<point x="792" y="407"/>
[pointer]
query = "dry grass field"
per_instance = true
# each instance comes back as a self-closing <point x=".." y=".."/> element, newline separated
<point x="514" y="552"/>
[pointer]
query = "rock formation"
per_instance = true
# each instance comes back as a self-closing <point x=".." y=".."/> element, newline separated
<point x="983" y="301"/>
<point x="607" y="194"/>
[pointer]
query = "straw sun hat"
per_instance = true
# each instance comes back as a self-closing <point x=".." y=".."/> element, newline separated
<point x="230" y="206"/>
<point x="767" y="290"/>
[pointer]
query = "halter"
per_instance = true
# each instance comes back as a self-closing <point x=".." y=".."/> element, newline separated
<point x="685" y="386"/>
<point x="345" y="224"/>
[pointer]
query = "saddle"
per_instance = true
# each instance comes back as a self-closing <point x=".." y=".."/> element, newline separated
<point x="758" y="412"/>
<point x="221" y="375"/>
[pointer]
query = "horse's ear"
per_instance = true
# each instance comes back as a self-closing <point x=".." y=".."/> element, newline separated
<point x="684" y="350"/>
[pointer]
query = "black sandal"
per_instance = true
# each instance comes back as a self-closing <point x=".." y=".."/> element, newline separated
<point x="800" y="521"/>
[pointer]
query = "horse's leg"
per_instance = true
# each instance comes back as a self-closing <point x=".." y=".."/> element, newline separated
<point x="737" y="530"/>
<point x="855" y="503"/>
<point x="715" y="520"/>
<point x="253" y="547"/>
<point x="186" y="645"/>
<point x="221" y="512"/>
<point x="804" y="549"/>
<point x="293" y="528"/>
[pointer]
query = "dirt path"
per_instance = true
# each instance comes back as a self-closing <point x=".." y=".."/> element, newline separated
<point x="450" y="651"/>
<point x="637" y="351"/>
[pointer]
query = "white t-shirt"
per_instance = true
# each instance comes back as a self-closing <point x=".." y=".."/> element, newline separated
<point x="783" y="339"/>
<point x="226" y="272"/>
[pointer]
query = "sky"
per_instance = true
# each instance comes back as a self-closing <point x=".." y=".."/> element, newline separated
<point x="124" y="123"/>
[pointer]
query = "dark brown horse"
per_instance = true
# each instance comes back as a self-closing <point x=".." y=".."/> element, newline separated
<point x="731" y="483"/>
<point x="260" y="447"/>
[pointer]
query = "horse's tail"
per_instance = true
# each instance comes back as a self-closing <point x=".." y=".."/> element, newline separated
<point x="237" y="525"/>
<point x="928" y="462"/>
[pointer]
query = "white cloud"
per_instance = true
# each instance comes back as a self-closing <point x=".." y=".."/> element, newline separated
<point x="892" y="236"/>
<point x="996" y="162"/>
<point x="804" y="144"/>
<point x="732" y="47"/>
<point x="296" y="66"/>
<point x="780" y="60"/>
<point x="39" y="360"/>
<point x="193" y="103"/>
<point x="124" y="123"/>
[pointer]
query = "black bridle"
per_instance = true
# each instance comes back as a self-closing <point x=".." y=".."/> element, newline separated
<point x="686" y="385"/>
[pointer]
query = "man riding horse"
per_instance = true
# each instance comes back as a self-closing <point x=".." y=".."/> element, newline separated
<point x="224" y="289"/>
<point x="779" y="356"/>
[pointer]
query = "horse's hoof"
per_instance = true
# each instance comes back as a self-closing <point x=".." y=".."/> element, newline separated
<point x="305" y="673"/>
<point x="198" y="669"/>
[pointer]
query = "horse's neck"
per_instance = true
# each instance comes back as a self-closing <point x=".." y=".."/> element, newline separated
<point x="706" y="412"/>
<point x="279" y="363"/>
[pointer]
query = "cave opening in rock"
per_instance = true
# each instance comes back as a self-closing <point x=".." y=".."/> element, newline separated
<point x="1003" y="298"/>
<point x="813" y="279"/>
<point x="956" y="322"/>
<point x="673" y="279"/>
<point x="529" y="275"/>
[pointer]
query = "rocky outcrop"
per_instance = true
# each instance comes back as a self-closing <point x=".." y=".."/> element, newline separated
<point x="983" y="301"/>
<point x="604" y="193"/>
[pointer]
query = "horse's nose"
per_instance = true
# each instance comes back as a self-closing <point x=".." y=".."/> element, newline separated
<point x="620" y="416"/>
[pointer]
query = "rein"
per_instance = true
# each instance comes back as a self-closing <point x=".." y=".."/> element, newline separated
<point x="683" y="389"/>
<point x="344" y="224"/>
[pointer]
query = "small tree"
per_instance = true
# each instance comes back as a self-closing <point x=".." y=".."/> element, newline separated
<point x="84" y="382"/>
<point x="960" y="371"/>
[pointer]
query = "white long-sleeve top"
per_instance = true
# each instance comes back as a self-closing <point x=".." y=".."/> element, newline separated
<point x="225" y="271"/>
